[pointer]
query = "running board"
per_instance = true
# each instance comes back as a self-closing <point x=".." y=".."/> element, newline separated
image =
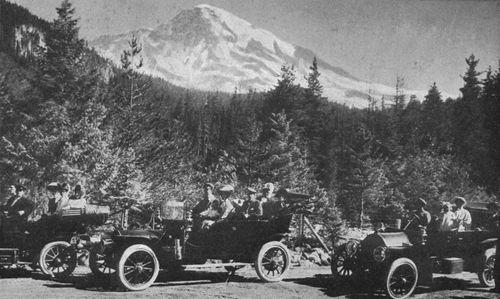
<point x="214" y="265"/>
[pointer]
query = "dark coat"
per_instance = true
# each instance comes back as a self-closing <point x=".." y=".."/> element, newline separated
<point x="15" y="204"/>
<point x="252" y="208"/>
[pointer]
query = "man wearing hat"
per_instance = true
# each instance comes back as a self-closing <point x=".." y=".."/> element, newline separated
<point x="267" y="193"/>
<point x="208" y="209"/>
<point x="417" y="227"/>
<point x="463" y="219"/>
<point x="251" y="208"/>
<point x="226" y="205"/>
<point x="15" y="214"/>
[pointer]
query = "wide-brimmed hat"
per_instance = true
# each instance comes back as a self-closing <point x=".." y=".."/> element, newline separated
<point x="268" y="186"/>
<point x="421" y="202"/>
<point x="20" y="188"/>
<point x="53" y="187"/>
<point x="447" y="204"/>
<point x="209" y="185"/>
<point x="460" y="199"/>
<point x="226" y="188"/>
<point x="251" y="190"/>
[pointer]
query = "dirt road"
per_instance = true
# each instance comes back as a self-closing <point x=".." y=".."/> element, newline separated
<point x="314" y="282"/>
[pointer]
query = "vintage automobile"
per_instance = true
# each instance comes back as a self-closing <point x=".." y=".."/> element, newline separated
<point x="391" y="259"/>
<point x="53" y="243"/>
<point x="136" y="256"/>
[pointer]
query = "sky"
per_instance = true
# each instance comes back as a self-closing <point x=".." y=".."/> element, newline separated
<point x="374" y="40"/>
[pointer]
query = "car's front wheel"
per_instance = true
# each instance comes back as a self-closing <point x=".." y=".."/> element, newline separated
<point x="272" y="261"/>
<point x="401" y="279"/>
<point x="137" y="267"/>
<point x="345" y="262"/>
<point x="99" y="263"/>
<point x="486" y="273"/>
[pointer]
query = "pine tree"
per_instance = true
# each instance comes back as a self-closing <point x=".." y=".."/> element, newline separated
<point x="432" y="118"/>
<point x="314" y="87"/>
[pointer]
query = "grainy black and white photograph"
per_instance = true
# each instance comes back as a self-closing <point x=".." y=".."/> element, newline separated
<point x="249" y="149"/>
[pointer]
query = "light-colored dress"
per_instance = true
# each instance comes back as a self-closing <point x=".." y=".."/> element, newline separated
<point x="463" y="220"/>
<point x="447" y="220"/>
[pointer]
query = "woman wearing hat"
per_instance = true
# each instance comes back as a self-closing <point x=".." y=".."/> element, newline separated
<point x="463" y="219"/>
<point x="446" y="218"/>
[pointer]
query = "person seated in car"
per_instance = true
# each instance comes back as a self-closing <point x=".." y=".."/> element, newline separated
<point x="58" y="195"/>
<point x="463" y="219"/>
<point x="251" y="207"/>
<point x="417" y="226"/>
<point x="267" y="193"/>
<point x="226" y="205"/>
<point x="276" y="206"/>
<point x="77" y="200"/>
<point x="446" y="218"/>
<point x="208" y="209"/>
<point x="15" y="214"/>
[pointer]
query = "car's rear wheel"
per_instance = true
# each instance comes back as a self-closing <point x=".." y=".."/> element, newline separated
<point x="486" y="273"/>
<point x="344" y="262"/>
<point x="57" y="259"/>
<point x="99" y="263"/>
<point x="401" y="278"/>
<point x="137" y="267"/>
<point x="272" y="262"/>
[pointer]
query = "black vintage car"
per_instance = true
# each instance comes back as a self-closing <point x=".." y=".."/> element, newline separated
<point x="53" y="243"/>
<point x="136" y="256"/>
<point x="390" y="259"/>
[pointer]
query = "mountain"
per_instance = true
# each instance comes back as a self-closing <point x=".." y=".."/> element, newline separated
<point x="209" y="48"/>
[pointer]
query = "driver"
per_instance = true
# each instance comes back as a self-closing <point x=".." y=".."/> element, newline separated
<point x="420" y="221"/>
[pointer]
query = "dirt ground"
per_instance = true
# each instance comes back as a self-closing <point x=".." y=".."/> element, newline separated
<point x="313" y="282"/>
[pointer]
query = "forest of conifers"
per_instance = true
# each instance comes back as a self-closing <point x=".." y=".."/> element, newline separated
<point x="68" y="115"/>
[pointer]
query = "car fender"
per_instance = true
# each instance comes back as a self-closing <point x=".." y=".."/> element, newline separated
<point x="278" y="237"/>
<point x="488" y="243"/>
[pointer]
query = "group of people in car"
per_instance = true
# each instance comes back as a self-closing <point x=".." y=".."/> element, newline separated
<point x="451" y="218"/>
<point x="211" y="209"/>
<point x="16" y="211"/>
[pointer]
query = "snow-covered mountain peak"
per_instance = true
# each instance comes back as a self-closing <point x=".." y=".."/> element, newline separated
<point x="210" y="48"/>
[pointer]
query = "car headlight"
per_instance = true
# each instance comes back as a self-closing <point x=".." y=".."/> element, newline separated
<point x="380" y="253"/>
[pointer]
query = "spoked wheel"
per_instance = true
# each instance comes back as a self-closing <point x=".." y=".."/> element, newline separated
<point x="272" y="262"/>
<point x="401" y="279"/>
<point x="99" y="263"/>
<point x="345" y="261"/>
<point x="137" y="267"/>
<point x="486" y="274"/>
<point x="57" y="259"/>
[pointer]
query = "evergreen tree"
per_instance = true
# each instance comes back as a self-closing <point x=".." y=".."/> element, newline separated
<point x="314" y="87"/>
<point x="433" y="119"/>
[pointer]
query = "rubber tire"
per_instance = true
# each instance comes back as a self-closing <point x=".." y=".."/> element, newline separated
<point x="333" y="265"/>
<point x="93" y="262"/>
<point x="123" y="258"/>
<point x="395" y="264"/>
<point x="258" y="261"/>
<point x="43" y="265"/>
<point x="488" y="253"/>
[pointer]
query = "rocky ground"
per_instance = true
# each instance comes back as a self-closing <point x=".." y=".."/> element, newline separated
<point x="302" y="282"/>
